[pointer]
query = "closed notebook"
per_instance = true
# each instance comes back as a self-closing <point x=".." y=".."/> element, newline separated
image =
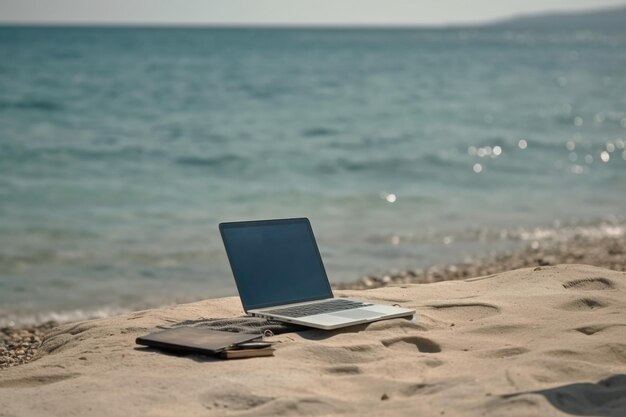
<point x="246" y="353"/>
<point x="193" y="339"/>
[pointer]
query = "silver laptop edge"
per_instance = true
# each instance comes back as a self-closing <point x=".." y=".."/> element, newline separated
<point x="338" y="319"/>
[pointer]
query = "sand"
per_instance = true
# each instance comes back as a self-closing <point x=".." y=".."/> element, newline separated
<point x="531" y="342"/>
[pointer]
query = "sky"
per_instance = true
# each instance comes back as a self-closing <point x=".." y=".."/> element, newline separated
<point x="281" y="12"/>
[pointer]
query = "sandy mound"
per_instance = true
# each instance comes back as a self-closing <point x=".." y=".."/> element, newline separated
<point x="544" y="341"/>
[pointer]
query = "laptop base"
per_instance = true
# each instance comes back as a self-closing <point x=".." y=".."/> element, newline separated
<point x="344" y="318"/>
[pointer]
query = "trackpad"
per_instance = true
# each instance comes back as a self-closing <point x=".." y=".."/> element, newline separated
<point x="357" y="313"/>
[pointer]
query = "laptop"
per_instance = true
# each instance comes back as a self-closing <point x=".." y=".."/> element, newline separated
<point x="279" y="274"/>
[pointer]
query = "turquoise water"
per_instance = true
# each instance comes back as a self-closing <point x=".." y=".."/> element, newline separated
<point x="122" y="149"/>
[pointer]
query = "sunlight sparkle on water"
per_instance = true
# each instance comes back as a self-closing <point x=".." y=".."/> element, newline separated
<point x="478" y="168"/>
<point x="605" y="156"/>
<point x="522" y="144"/>
<point x="391" y="198"/>
<point x="485" y="151"/>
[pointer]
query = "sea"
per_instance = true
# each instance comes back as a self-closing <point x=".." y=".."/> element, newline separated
<point x="121" y="149"/>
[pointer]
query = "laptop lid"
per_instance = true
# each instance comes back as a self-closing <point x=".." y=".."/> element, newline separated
<point x="275" y="262"/>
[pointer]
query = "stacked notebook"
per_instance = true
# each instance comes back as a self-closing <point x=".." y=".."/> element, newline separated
<point x="227" y="345"/>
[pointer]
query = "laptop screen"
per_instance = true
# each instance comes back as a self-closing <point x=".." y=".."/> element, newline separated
<point x="275" y="262"/>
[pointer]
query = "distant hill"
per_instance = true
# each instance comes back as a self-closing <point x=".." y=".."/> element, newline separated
<point x="606" y="19"/>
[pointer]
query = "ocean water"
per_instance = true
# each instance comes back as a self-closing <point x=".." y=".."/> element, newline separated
<point x="122" y="149"/>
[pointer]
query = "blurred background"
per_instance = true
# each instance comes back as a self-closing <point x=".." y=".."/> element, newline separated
<point x="410" y="135"/>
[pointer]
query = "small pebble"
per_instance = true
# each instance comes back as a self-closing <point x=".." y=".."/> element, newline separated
<point x="18" y="346"/>
<point x="605" y="252"/>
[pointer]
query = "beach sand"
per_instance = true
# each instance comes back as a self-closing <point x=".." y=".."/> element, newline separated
<point x="530" y="342"/>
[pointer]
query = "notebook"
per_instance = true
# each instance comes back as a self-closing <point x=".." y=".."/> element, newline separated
<point x="194" y="339"/>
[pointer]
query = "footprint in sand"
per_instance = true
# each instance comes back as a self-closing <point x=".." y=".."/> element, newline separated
<point x="340" y="355"/>
<point x="344" y="370"/>
<point x="499" y="329"/>
<point x="503" y="352"/>
<point x="412" y="343"/>
<point x="236" y="401"/>
<point x="36" y="381"/>
<point x="590" y="284"/>
<point x="597" y="328"/>
<point x="309" y="406"/>
<point x="465" y="312"/>
<point x="605" y="398"/>
<point x="583" y="304"/>
<point x="133" y="330"/>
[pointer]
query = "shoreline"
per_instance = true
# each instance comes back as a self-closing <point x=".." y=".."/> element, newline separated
<point x="607" y="252"/>
<point x="19" y="344"/>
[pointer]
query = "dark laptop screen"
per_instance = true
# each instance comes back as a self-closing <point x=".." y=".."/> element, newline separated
<point x="275" y="262"/>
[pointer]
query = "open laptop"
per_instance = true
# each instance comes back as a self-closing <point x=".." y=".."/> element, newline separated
<point x="280" y="275"/>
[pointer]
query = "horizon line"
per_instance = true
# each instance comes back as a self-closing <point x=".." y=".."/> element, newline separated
<point x="312" y="25"/>
<point x="182" y="25"/>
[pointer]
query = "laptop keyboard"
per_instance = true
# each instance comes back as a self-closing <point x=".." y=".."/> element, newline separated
<point x="317" y="308"/>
